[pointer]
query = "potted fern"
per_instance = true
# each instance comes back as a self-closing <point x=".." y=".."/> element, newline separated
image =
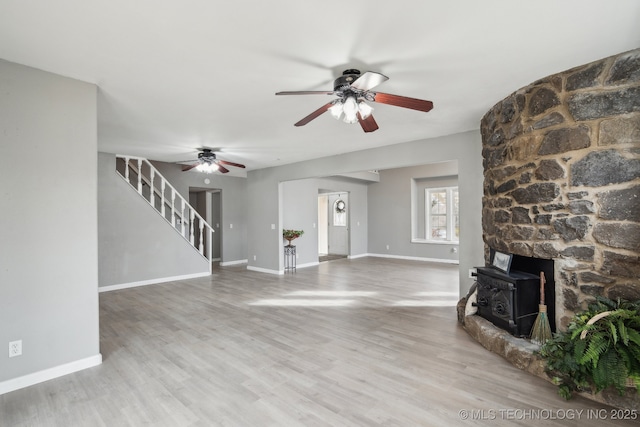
<point x="599" y="349"/>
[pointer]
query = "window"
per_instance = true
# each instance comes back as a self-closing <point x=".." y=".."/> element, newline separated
<point x="442" y="217"/>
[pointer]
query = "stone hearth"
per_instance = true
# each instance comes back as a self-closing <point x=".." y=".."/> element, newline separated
<point x="521" y="353"/>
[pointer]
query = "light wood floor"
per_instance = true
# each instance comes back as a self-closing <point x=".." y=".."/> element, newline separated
<point x="365" y="342"/>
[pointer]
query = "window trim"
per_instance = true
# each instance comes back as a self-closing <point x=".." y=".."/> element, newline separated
<point x="450" y="216"/>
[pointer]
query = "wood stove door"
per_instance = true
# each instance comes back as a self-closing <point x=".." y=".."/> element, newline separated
<point x="496" y="302"/>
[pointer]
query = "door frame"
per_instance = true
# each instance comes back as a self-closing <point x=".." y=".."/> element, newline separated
<point x="328" y="223"/>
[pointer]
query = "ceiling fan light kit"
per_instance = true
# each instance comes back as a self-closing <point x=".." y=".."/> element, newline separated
<point x="350" y="109"/>
<point x="352" y="90"/>
<point x="364" y="109"/>
<point x="207" y="167"/>
<point x="207" y="162"/>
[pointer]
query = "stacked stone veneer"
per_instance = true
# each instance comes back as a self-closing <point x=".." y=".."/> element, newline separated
<point x="562" y="179"/>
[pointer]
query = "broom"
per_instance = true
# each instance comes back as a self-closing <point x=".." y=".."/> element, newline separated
<point x="541" y="330"/>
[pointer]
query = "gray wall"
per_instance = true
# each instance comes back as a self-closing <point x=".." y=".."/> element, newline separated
<point x="136" y="244"/>
<point x="48" y="231"/>
<point x="390" y="208"/>
<point x="300" y="212"/>
<point x="265" y="200"/>
<point x="264" y="221"/>
<point x="233" y="199"/>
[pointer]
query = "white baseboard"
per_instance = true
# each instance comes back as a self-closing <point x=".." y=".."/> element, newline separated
<point x="264" y="270"/>
<point x="151" y="282"/>
<point x="49" y="374"/>
<point x="308" y="264"/>
<point x="236" y="262"/>
<point x="313" y="264"/>
<point x="413" y="258"/>
<point x="281" y="272"/>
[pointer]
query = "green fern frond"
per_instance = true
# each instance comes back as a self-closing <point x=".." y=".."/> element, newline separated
<point x="579" y="348"/>
<point x="610" y="372"/>
<point x="614" y="332"/>
<point x="634" y="360"/>
<point x="598" y="344"/>
<point x="634" y="336"/>
<point x="626" y="360"/>
<point x="623" y="332"/>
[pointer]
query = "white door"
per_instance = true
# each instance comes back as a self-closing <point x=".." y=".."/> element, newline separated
<point x="338" y="217"/>
<point x="323" y="224"/>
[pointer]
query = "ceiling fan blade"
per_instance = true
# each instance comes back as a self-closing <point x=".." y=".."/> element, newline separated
<point x="369" y="124"/>
<point x="305" y="92"/>
<point x="221" y="168"/>
<point x="315" y="114"/>
<point x="403" y="101"/>
<point x="188" y="168"/>
<point x="369" y="80"/>
<point x="224" y="162"/>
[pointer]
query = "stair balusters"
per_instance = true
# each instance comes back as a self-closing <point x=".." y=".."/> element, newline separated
<point x="131" y="170"/>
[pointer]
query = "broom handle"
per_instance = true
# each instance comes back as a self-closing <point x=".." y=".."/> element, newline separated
<point x="542" y="282"/>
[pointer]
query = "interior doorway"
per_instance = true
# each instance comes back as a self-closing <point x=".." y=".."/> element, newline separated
<point x="333" y="224"/>
<point x="208" y="204"/>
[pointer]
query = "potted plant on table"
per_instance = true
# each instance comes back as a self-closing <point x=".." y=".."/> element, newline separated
<point x="291" y="235"/>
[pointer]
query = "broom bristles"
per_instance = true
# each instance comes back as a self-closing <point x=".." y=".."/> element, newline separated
<point x="541" y="331"/>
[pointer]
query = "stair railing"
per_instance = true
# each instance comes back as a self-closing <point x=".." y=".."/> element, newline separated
<point x="145" y="179"/>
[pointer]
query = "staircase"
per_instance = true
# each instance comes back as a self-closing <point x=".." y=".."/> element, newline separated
<point x="144" y="178"/>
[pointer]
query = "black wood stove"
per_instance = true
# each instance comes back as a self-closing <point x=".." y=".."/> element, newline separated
<point x="509" y="300"/>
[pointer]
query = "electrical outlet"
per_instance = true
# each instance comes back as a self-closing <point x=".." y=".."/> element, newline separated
<point x="15" y="348"/>
<point x="254" y="257"/>
<point x="387" y="247"/>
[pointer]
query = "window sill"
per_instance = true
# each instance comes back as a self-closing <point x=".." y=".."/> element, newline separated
<point x="437" y="242"/>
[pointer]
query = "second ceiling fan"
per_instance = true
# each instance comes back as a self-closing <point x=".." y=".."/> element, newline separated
<point x="208" y="162"/>
<point x="352" y="90"/>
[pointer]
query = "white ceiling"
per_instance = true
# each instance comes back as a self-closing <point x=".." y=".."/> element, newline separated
<point x="174" y="76"/>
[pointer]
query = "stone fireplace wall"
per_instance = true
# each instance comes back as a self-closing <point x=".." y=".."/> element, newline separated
<point x="562" y="179"/>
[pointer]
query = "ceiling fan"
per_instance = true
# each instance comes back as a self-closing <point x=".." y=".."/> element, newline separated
<point x="352" y="90"/>
<point x="208" y="163"/>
